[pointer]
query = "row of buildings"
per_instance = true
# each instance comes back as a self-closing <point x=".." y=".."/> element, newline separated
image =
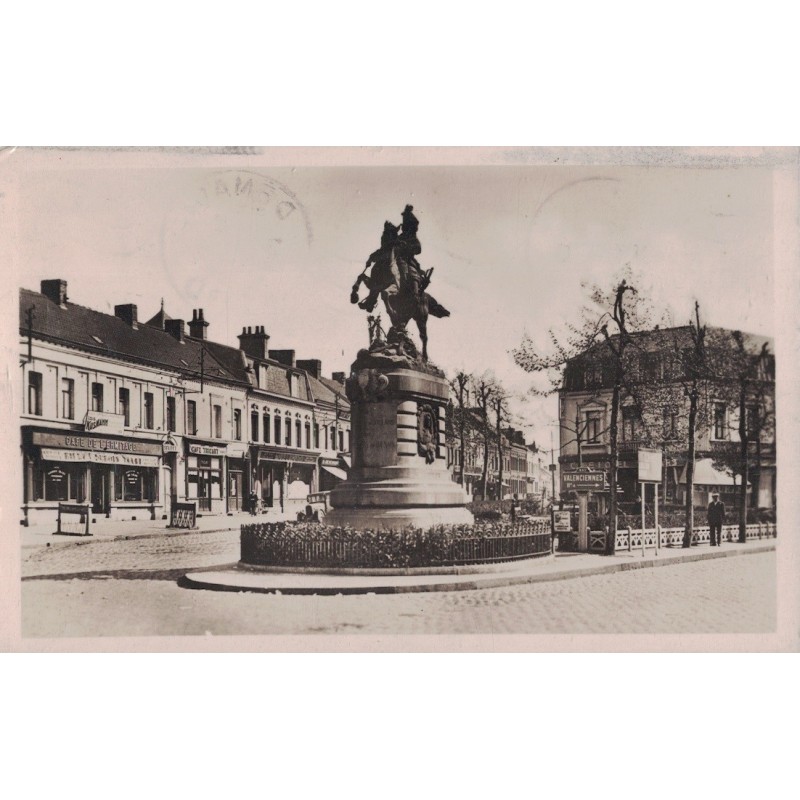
<point x="132" y="417"/>
<point x="527" y="472"/>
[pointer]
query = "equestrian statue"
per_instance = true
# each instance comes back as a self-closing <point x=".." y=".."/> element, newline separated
<point x="398" y="279"/>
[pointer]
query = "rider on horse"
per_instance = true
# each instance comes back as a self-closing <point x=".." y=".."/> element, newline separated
<point x="397" y="276"/>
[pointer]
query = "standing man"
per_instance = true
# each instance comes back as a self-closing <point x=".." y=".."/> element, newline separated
<point x="716" y="516"/>
<point x="514" y="506"/>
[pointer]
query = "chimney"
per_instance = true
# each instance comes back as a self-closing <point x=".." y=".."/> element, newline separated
<point x="128" y="313"/>
<point x="339" y="377"/>
<point x="254" y="342"/>
<point x="313" y="366"/>
<point x="175" y="328"/>
<point x="285" y="357"/>
<point x="55" y="290"/>
<point x="198" y="325"/>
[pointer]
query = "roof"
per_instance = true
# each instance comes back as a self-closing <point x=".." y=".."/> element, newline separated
<point x="662" y="342"/>
<point x="329" y="390"/>
<point x="97" y="333"/>
<point x="158" y="320"/>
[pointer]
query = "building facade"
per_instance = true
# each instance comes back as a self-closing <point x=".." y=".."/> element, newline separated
<point x="653" y="413"/>
<point x="129" y="417"/>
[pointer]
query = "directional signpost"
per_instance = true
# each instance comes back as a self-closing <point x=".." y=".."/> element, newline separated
<point x="583" y="482"/>
<point x="650" y="466"/>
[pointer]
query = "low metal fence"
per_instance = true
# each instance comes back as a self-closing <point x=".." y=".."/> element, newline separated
<point x="267" y="544"/>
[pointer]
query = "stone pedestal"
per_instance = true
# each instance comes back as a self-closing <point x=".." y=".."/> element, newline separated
<point x="399" y="474"/>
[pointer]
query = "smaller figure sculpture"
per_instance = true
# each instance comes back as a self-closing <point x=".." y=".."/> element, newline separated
<point x="375" y="332"/>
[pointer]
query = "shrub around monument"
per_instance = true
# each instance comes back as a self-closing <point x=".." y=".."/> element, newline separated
<point x="302" y="544"/>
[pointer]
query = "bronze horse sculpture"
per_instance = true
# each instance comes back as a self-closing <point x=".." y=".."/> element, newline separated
<point x="399" y="281"/>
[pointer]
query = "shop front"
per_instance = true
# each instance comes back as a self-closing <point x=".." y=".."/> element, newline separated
<point x="118" y="477"/>
<point x="205" y="476"/>
<point x="283" y="478"/>
<point x="238" y="481"/>
<point x="332" y="472"/>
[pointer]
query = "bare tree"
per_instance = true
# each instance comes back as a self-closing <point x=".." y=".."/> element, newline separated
<point x="499" y="404"/>
<point x="460" y="387"/>
<point x="610" y="320"/>
<point x="742" y="380"/>
<point x="483" y="389"/>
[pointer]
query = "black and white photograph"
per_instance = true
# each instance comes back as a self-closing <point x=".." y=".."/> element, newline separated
<point x="342" y="397"/>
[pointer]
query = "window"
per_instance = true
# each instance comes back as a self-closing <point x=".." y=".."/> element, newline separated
<point x="294" y="386"/>
<point x="254" y="426"/>
<point x="276" y="429"/>
<point x="148" y="410"/>
<point x="53" y="481"/>
<point x="348" y="440"/>
<point x="171" y="414"/>
<point x="308" y="435"/>
<point x="316" y="435"/>
<point x="217" y="422"/>
<point x="753" y="420"/>
<point x="341" y="441"/>
<point x="68" y="398"/>
<point x="267" y="427"/>
<point x="237" y="424"/>
<point x="592" y="427"/>
<point x="593" y="376"/>
<point x="720" y="427"/>
<point x="298" y="430"/>
<point x="125" y="405"/>
<point x="670" y="424"/>
<point x="333" y="438"/>
<point x="288" y="425"/>
<point x="191" y="417"/>
<point x="650" y="367"/>
<point x="35" y="393"/>
<point x="630" y="423"/>
<point x="135" y="484"/>
<point x="97" y="397"/>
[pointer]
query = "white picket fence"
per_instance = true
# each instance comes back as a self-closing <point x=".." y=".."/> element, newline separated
<point x="631" y="538"/>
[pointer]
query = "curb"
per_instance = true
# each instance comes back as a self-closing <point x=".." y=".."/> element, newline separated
<point x="234" y="579"/>
<point x="75" y="541"/>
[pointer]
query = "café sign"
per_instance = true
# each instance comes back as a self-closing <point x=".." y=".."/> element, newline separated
<point x="169" y="445"/>
<point x="206" y="450"/>
<point x="104" y="422"/>
<point x="97" y="457"/>
<point x="86" y="441"/>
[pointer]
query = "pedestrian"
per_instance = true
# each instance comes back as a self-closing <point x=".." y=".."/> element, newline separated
<point x="716" y="517"/>
<point x="513" y="509"/>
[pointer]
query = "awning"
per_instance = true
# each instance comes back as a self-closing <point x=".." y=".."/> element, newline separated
<point x="346" y="460"/>
<point x="336" y="472"/>
<point x="706" y="474"/>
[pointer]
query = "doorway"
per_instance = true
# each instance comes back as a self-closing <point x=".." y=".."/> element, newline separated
<point x="235" y="485"/>
<point x="99" y="491"/>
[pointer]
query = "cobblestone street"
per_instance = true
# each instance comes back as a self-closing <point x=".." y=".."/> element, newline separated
<point x="128" y="588"/>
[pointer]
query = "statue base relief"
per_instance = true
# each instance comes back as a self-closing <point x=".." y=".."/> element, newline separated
<point x="399" y="475"/>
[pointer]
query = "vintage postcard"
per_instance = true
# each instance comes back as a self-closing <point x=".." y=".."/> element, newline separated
<point x="400" y="399"/>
